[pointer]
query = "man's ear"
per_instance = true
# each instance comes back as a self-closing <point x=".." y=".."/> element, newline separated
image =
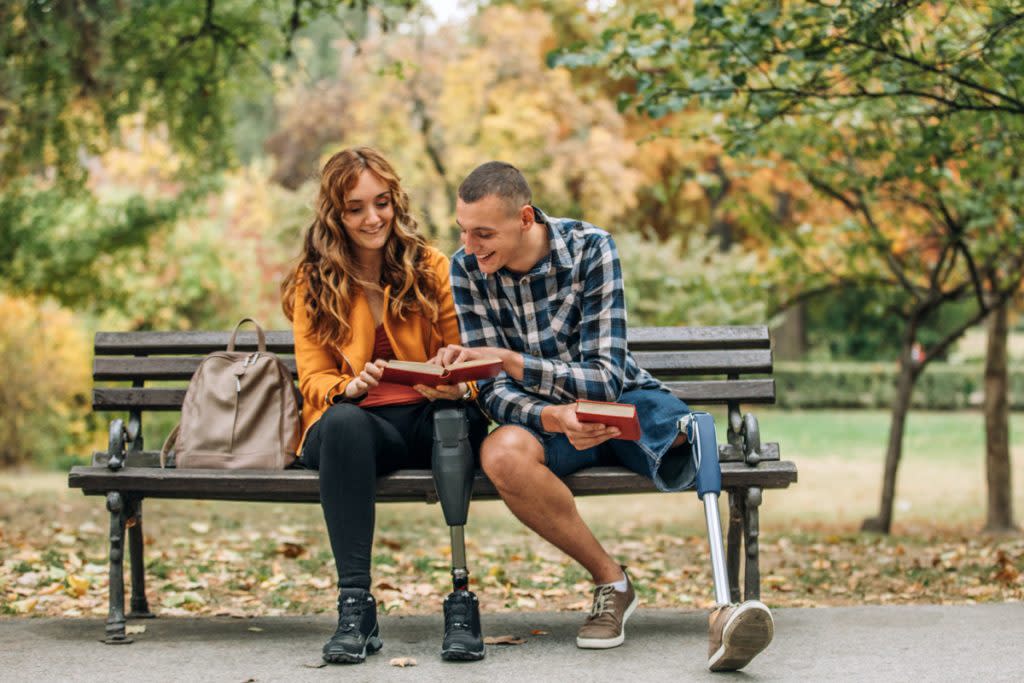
<point x="526" y="215"/>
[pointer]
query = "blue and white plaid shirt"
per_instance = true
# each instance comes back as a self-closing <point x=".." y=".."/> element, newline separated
<point x="567" y="317"/>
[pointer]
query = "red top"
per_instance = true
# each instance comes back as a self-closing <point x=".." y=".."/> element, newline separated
<point x="388" y="393"/>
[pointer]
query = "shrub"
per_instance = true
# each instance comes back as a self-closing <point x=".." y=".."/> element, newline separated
<point x="45" y="390"/>
<point x="871" y="385"/>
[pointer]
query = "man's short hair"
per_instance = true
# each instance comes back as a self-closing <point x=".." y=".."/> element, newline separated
<point x="500" y="179"/>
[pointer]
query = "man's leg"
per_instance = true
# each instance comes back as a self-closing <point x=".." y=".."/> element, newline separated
<point x="513" y="460"/>
<point x="528" y="480"/>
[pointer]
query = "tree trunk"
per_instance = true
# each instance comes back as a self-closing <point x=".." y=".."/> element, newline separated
<point x="909" y="372"/>
<point x="997" y="425"/>
<point x="789" y="339"/>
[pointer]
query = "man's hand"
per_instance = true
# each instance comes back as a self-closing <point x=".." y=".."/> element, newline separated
<point x="448" y="392"/>
<point x="369" y="377"/>
<point x="511" y="362"/>
<point x="582" y="435"/>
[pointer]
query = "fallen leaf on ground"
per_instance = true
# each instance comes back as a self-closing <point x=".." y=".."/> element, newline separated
<point x="503" y="640"/>
<point x="402" y="661"/>
<point x="199" y="527"/>
<point x="134" y="629"/>
<point x="255" y="629"/>
<point x="538" y="632"/>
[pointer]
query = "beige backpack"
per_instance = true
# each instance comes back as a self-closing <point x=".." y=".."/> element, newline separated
<point x="240" y="412"/>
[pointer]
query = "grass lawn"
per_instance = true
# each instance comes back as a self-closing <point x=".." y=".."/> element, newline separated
<point x="246" y="559"/>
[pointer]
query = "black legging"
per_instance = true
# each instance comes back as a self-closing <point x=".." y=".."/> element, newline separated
<point x="351" y="447"/>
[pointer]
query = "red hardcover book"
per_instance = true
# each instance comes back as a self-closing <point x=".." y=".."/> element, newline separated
<point x="411" y="372"/>
<point x="621" y="415"/>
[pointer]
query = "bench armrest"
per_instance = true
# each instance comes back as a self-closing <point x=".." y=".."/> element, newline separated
<point x="116" y="446"/>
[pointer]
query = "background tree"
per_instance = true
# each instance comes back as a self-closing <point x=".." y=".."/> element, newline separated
<point x="907" y="114"/>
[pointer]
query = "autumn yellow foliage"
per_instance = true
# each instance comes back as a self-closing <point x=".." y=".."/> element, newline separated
<point x="44" y="393"/>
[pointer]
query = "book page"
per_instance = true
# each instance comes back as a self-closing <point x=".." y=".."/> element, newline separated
<point x="473" y="363"/>
<point x="610" y="409"/>
<point x="412" y="366"/>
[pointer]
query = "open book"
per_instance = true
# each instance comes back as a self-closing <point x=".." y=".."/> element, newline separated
<point x="621" y="415"/>
<point x="411" y="372"/>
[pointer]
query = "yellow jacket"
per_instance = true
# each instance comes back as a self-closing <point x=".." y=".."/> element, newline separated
<point x="325" y="371"/>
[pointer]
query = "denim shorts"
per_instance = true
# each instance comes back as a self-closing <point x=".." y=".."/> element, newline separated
<point x="658" y="410"/>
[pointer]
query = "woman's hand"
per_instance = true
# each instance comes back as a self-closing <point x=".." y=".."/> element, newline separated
<point x="365" y="380"/>
<point x="447" y="392"/>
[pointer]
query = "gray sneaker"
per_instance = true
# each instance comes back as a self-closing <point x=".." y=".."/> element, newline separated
<point x="737" y="633"/>
<point x="605" y="626"/>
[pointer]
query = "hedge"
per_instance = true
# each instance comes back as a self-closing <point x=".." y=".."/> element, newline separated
<point x="871" y="385"/>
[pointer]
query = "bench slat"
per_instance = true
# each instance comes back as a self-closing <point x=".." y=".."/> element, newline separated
<point x="697" y="338"/>
<point x="112" y="368"/>
<point x="403" y="485"/>
<point x="281" y="341"/>
<point x="705" y="391"/>
<point x="726" y="453"/>
<point x="118" y="368"/>
<point x="740" y="362"/>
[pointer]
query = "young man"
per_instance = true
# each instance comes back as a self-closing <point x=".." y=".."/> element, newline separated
<point x="546" y="296"/>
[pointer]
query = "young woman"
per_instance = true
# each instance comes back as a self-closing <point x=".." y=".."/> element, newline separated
<point x="367" y="288"/>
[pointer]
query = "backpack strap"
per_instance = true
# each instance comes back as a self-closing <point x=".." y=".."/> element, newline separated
<point x="169" y="443"/>
<point x="261" y="345"/>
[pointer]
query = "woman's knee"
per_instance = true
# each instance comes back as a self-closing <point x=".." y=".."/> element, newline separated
<point x="343" y="420"/>
<point x="506" y="452"/>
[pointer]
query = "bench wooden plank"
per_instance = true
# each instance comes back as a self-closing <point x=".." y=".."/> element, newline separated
<point x="726" y="453"/>
<point x="696" y="338"/>
<point x="404" y="485"/>
<point x="704" y="392"/>
<point x="281" y="341"/>
<point x="115" y="368"/>
<point x="740" y="362"/>
<point x="119" y="368"/>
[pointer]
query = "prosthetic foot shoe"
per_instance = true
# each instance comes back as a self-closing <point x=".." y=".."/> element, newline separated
<point x="358" y="633"/>
<point x="463" y="640"/>
<point x="737" y="634"/>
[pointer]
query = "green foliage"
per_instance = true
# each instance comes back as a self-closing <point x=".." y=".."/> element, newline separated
<point x="71" y="71"/>
<point x="688" y="283"/>
<point x="905" y="115"/>
<point x="52" y="242"/>
<point x="872" y="385"/>
<point x="860" y="324"/>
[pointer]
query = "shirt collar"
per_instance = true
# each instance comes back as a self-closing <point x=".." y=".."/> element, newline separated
<point x="558" y="251"/>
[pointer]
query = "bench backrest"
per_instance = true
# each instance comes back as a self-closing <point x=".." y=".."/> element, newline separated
<point x="702" y="365"/>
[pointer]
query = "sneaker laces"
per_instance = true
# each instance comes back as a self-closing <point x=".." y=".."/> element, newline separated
<point x="457" y="615"/>
<point x="350" y="614"/>
<point x="602" y="602"/>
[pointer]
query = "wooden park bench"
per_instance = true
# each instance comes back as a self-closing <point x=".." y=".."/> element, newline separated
<point x="702" y="365"/>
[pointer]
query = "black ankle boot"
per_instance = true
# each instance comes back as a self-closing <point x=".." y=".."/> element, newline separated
<point x="358" y="633"/>
<point x="463" y="640"/>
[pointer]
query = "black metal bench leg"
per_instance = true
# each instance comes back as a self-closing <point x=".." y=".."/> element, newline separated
<point x="115" y="617"/>
<point x="140" y="606"/>
<point x="752" y="587"/>
<point x="735" y="541"/>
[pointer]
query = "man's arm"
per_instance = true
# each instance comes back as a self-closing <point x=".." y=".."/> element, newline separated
<point x="598" y="374"/>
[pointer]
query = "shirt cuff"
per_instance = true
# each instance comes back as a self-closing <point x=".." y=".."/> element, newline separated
<point x="531" y="416"/>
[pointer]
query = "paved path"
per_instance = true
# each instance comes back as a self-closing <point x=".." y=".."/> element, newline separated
<point x="914" y="643"/>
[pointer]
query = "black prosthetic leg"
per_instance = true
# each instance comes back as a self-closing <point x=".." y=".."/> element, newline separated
<point x="453" y="478"/>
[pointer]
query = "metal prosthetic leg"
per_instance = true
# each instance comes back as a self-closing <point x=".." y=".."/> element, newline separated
<point x="699" y="428"/>
<point x="737" y="632"/>
<point x="452" y="464"/>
